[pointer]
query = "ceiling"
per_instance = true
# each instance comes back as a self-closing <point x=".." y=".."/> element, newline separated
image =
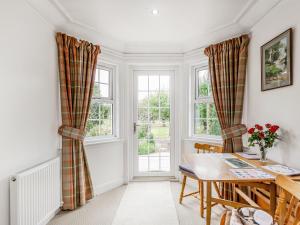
<point x="130" y="26"/>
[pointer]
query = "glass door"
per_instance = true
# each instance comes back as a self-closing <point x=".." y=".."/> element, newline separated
<point x="153" y="123"/>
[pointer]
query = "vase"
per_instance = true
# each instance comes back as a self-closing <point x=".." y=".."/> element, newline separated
<point x="263" y="154"/>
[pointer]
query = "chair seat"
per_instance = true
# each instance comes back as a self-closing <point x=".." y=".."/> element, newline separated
<point x="187" y="169"/>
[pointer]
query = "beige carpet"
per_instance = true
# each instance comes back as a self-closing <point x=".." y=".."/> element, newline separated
<point x="103" y="208"/>
<point x="147" y="203"/>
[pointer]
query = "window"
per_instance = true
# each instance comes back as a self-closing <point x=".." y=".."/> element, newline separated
<point x="101" y="117"/>
<point x="205" y="120"/>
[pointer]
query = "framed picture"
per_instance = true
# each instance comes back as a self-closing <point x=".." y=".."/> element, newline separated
<point x="276" y="62"/>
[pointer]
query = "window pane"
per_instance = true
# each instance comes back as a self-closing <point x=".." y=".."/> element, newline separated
<point x="212" y="111"/>
<point x="214" y="127"/>
<point x="142" y="99"/>
<point x="154" y="163"/>
<point x="104" y="76"/>
<point x="105" y="127"/>
<point x="201" y="110"/>
<point x="164" y="83"/>
<point x="143" y="83"/>
<point x="165" y="114"/>
<point x="104" y="90"/>
<point x="143" y="131"/>
<point x="153" y="83"/>
<point x="94" y="110"/>
<point x="142" y="115"/>
<point x="105" y="111"/>
<point x="203" y="83"/>
<point x="96" y="91"/>
<point x="143" y="163"/>
<point x="154" y="114"/>
<point x="165" y="163"/>
<point x="97" y="75"/>
<point x="143" y="148"/>
<point x="164" y="99"/>
<point x="92" y="128"/>
<point x="200" y="126"/>
<point x="153" y="99"/>
<point x="160" y="131"/>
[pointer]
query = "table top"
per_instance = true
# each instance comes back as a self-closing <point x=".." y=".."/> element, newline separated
<point x="212" y="167"/>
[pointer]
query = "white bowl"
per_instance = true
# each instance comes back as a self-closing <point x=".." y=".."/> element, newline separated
<point x="262" y="218"/>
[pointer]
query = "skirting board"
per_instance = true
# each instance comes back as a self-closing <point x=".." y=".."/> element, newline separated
<point x="108" y="186"/>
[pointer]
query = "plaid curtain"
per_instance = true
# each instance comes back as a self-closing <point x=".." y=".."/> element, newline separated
<point x="77" y="62"/>
<point x="227" y="67"/>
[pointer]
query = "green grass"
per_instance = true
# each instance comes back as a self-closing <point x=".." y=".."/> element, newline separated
<point x="160" y="132"/>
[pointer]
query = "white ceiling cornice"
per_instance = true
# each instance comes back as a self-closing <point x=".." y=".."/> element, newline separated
<point x="54" y="12"/>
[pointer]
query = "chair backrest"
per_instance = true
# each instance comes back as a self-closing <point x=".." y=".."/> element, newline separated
<point x="288" y="208"/>
<point x="208" y="148"/>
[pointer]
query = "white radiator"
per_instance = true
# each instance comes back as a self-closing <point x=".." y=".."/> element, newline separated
<point x="35" y="194"/>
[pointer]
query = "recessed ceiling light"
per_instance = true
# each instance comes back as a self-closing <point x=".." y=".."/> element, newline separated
<point x="155" y="11"/>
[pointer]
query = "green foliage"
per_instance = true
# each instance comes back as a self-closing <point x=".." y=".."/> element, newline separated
<point x="155" y="100"/>
<point x="273" y="56"/>
<point x="206" y="120"/>
<point x="100" y="119"/>
<point x="143" y="148"/>
<point x="272" y="70"/>
<point x="265" y="141"/>
<point x="203" y="89"/>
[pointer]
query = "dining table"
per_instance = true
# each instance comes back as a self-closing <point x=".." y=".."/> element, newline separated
<point x="214" y="167"/>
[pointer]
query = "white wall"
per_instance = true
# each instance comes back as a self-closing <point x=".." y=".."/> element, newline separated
<point x="280" y="106"/>
<point x="106" y="159"/>
<point x="106" y="165"/>
<point x="28" y="93"/>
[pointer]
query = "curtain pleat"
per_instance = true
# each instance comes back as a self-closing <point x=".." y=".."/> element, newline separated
<point x="77" y="62"/>
<point x="227" y="67"/>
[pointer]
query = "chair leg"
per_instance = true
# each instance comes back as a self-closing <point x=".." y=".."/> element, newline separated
<point x="182" y="189"/>
<point x="201" y="193"/>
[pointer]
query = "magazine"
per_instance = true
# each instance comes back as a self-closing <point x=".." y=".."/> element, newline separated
<point x="237" y="163"/>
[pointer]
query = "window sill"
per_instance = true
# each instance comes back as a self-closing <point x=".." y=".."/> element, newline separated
<point x="208" y="140"/>
<point x="96" y="141"/>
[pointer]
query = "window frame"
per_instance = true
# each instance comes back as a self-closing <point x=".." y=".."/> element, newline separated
<point x="111" y="99"/>
<point x="194" y="99"/>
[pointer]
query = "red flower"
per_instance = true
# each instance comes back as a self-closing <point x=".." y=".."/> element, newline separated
<point x="261" y="135"/>
<point x="251" y="130"/>
<point x="258" y="127"/>
<point x="274" y="128"/>
<point x="268" y="125"/>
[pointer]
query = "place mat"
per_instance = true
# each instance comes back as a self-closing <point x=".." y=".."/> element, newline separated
<point x="281" y="169"/>
<point x="248" y="155"/>
<point x="251" y="174"/>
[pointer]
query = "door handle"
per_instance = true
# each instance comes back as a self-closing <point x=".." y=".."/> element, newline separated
<point x="135" y="125"/>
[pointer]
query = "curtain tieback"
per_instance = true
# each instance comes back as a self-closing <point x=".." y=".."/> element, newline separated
<point x="71" y="132"/>
<point x="234" y="131"/>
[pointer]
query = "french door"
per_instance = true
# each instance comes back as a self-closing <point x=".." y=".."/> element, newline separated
<point x="153" y="123"/>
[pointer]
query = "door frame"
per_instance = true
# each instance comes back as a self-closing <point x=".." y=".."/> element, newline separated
<point x="173" y="155"/>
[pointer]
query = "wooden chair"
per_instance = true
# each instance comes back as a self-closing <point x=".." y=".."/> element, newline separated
<point x="288" y="207"/>
<point x="188" y="173"/>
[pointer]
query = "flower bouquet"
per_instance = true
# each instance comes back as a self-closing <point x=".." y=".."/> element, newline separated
<point x="263" y="137"/>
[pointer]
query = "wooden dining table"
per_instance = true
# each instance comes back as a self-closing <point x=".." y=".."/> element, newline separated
<point x="212" y="167"/>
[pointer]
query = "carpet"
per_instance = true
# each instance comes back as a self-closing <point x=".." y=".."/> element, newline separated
<point x="147" y="203"/>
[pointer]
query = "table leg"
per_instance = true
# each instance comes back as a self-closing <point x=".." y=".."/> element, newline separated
<point x="208" y="202"/>
<point x="272" y="198"/>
